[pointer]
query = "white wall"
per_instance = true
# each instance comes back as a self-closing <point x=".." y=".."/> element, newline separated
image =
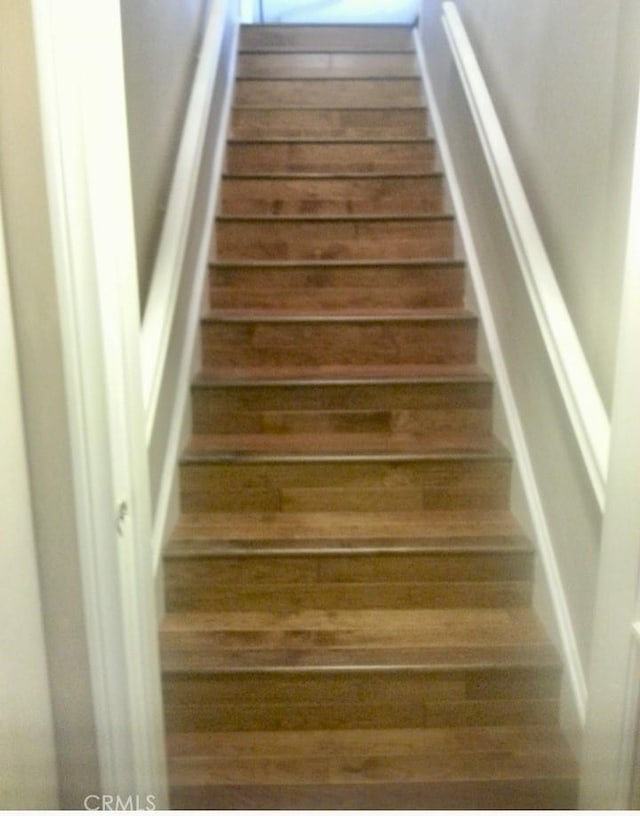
<point x="27" y="752"/>
<point x="555" y="71"/>
<point x="161" y="40"/>
<point x="565" y="88"/>
<point x="165" y="421"/>
<point x="45" y="409"/>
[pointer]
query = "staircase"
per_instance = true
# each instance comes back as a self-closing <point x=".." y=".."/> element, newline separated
<point x="349" y="619"/>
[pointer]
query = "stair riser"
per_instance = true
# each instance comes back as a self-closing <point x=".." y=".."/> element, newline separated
<point x="324" y="65"/>
<point x="376" y="699"/>
<point x="347" y="288"/>
<point x="325" y="38"/>
<point x="308" y="486"/>
<point x="334" y="93"/>
<point x="386" y="409"/>
<point x="511" y="794"/>
<point x="340" y="240"/>
<point x="349" y="343"/>
<point x="278" y="599"/>
<point x="407" y="196"/>
<point x="358" y="125"/>
<point x="319" y="157"/>
<point x="278" y="584"/>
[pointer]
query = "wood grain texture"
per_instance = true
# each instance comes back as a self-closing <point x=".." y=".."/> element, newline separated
<point x="383" y="125"/>
<point x="317" y="288"/>
<point x="322" y="93"/>
<point x="307" y="238"/>
<point x="325" y="65"/>
<point x="241" y="341"/>
<point x="349" y="619"/>
<point x="447" y="410"/>
<point x="298" y="195"/>
<point x="304" y="485"/>
<point x="250" y="157"/>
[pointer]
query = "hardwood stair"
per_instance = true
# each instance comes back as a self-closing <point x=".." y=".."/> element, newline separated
<point x="349" y="620"/>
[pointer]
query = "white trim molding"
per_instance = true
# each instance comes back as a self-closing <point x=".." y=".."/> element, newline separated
<point x="85" y="141"/>
<point x="609" y="751"/>
<point x="163" y="294"/>
<point x="163" y="503"/>
<point x="521" y="450"/>
<point x="582" y="400"/>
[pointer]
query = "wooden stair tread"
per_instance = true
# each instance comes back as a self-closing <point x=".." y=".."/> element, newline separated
<point x="385" y="375"/>
<point x="331" y="373"/>
<point x="219" y="315"/>
<point x="338" y="264"/>
<point x="336" y="219"/>
<point x="336" y="526"/>
<point x="372" y="742"/>
<point x="529" y="779"/>
<point x="304" y="176"/>
<point x="334" y="771"/>
<point x="211" y="548"/>
<point x="334" y="93"/>
<point x="319" y="64"/>
<point x="349" y="618"/>
<point x="344" y="444"/>
<point x="354" y="640"/>
<point x="351" y="448"/>
<point x="373" y="124"/>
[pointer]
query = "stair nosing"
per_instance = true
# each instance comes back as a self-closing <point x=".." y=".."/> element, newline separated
<point x="331" y="141"/>
<point x="329" y="219"/>
<point x="335" y="78"/>
<point x="265" y="50"/>
<point x="444" y="314"/>
<point x="216" y="548"/>
<point x="240" y="140"/>
<point x="411" y="78"/>
<point x="547" y="658"/>
<point x="207" y="382"/>
<point x="337" y="264"/>
<point x="306" y="176"/>
<point x="329" y="108"/>
<point x="207" y="457"/>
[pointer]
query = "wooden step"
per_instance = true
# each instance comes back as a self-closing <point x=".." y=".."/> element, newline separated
<point x="438" y="409"/>
<point x="250" y="157"/>
<point x="349" y="598"/>
<point x="334" y="93"/>
<point x="272" y="484"/>
<point x="436" y="337"/>
<point x="325" y="38"/>
<point x="445" y="565"/>
<point x="315" y="669"/>
<point x="315" y="238"/>
<point x="430" y="641"/>
<point x="347" y="288"/>
<point x="326" y="65"/>
<point x="375" y="124"/>
<point x="398" y="531"/>
<point x="525" y="767"/>
<point x="338" y="195"/>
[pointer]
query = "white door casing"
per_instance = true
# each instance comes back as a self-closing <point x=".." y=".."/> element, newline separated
<point x="83" y="112"/>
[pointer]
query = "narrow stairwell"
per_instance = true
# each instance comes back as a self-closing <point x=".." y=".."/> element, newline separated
<point x="349" y="619"/>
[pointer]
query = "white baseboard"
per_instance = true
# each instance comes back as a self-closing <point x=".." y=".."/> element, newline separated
<point x="521" y="451"/>
<point x="163" y="514"/>
<point x="582" y="400"/>
<point x="162" y="300"/>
